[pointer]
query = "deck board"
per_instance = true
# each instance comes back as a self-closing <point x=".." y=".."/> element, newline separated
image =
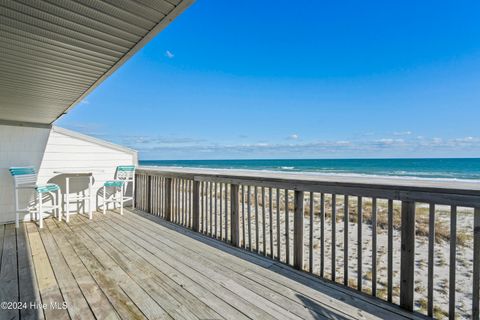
<point x="275" y="304"/>
<point x="27" y="280"/>
<point x="47" y="283"/>
<point x="97" y="300"/>
<point x="321" y="298"/>
<point x="122" y="303"/>
<point x="72" y="295"/>
<point x="8" y="271"/>
<point x="147" y="271"/>
<point x="145" y="303"/>
<point x="251" y="275"/>
<point x="232" y="292"/>
<point x="138" y="266"/>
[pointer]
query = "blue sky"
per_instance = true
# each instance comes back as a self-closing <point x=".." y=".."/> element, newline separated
<point x="305" y="79"/>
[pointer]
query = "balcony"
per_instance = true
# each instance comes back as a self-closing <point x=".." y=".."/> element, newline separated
<point x="208" y="244"/>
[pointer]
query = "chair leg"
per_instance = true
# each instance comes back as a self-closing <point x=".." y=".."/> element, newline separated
<point x="104" y="200"/>
<point x="67" y="183"/>
<point x="40" y="214"/>
<point x="115" y="194"/>
<point x="90" y="207"/>
<point x="17" y="214"/>
<point x="59" y="214"/>
<point x="121" y="200"/>
<point x="133" y="193"/>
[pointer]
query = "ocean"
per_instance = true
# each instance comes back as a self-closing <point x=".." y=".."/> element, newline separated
<point x="448" y="168"/>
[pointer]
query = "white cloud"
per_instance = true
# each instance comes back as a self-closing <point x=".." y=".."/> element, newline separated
<point x="403" y="133"/>
<point x="466" y="139"/>
<point x="84" y="101"/>
<point x="294" y="137"/>
<point x="189" y="147"/>
<point x="343" y="143"/>
<point x="169" y="54"/>
<point x="389" y="142"/>
<point x="158" y="141"/>
<point x="262" y="144"/>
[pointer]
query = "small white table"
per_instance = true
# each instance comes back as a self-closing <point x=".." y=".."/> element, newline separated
<point x="75" y="174"/>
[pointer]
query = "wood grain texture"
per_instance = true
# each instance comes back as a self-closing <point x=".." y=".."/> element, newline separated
<point x="374" y="247"/>
<point x="277" y="202"/>
<point x="47" y="283"/>
<point x="390" y="252"/>
<point x="310" y="234"/>
<point x="287" y="228"/>
<point x="235" y="211"/>
<point x="264" y="223"/>
<point x="334" y="238"/>
<point x="270" y="219"/>
<point x="298" y="227"/>
<point x="260" y="270"/>
<point x="27" y="281"/>
<point x="359" y="243"/>
<point x="139" y="266"/>
<point x="453" y="263"/>
<point x="8" y="271"/>
<point x="476" y="265"/>
<point x="346" y="258"/>
<point x="407" y="259"/>
<point x="322" y="235"/>
<point x="196" y="206"/>
<point x="257" y="223"/>
<point x="168" y="198"/>
<point x="431" y="254"/>
<point x="244" y="232"/>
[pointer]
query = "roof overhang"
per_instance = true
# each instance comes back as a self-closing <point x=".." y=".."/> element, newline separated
<point x="55" y="52"/>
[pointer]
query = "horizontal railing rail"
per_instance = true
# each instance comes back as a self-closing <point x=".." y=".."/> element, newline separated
<point x="389" y="238"/>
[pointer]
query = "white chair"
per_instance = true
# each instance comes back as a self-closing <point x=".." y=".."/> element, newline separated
<point x="25" y="178"/>
<point x="124" y="176"/>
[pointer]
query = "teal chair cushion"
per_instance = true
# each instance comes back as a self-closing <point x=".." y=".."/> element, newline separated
<point x="126" y="168"/>
<point x="114" y="183"/>
<point x="47" y="188"/>
<point x="17" y="171"/>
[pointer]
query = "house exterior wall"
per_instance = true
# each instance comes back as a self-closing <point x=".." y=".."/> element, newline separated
<point x="19" y="146"/>
<point x="56" y="149"/>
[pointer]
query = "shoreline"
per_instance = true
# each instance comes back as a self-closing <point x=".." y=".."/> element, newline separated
<point x="387" y="182"/>
<point x="326" y="174"/>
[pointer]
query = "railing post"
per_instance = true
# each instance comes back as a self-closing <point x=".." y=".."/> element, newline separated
<point x="298" y="230"/>
<point x="168" y="199"/>
<point x="196" y="206"/>
<point x="407" y="264"/>
<point x="476" y="265"/>
<point x="149" y="194"/>
<point x="235" y="218"/>
<point x="135" y="195"/>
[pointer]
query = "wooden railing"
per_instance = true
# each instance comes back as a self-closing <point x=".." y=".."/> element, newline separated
<point x="386" y="238"/>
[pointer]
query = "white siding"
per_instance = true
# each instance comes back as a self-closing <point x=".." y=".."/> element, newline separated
<point x="19" y="146"/>
<point x="55" y="150"/>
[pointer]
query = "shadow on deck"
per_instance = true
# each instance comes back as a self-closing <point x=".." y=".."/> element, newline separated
<point x="138" y="266"/>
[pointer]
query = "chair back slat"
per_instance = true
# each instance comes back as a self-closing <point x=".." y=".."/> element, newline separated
<point x="125" y="172"/>
<point x="23" y="175"/>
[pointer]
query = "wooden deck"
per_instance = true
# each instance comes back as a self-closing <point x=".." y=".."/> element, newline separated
<point x="138" y="266"/>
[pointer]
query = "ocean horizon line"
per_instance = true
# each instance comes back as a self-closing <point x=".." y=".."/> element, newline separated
<point x="361" y="158"/>
<point x="420" y="168"/>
